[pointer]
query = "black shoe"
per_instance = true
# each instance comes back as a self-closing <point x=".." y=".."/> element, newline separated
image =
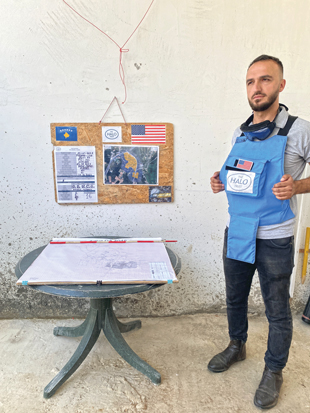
<point x="267" y="394"/>
<point x="222" y="361"/>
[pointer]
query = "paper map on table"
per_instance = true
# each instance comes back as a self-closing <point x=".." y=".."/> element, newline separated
<point x="106" y="263"/>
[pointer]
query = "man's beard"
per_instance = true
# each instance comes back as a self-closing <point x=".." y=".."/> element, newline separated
<point x="260" y="107"/>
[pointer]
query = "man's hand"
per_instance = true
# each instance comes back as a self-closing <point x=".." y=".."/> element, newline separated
<point x="216" y="184"/>
<point x="284" y="189"/>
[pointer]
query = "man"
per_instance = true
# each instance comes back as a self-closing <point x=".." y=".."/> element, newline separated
<point x="261" y="177"/>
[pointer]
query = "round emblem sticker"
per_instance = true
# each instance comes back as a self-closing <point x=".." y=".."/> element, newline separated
<point x="239" y="182"/>
<point x="111" y="134"/>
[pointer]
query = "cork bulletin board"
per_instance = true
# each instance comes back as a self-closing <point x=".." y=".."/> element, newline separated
<point x="91" y="135"/>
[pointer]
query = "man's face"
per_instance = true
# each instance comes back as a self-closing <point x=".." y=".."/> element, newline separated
<point x="264" y="82"/>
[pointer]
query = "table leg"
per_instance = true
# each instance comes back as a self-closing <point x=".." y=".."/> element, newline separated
<point x="100" y="316"/>
<point x="72" y="331"/>
<point x="114" y="336"/>
<point x="131" y="325"/>
<point x="90" y="336"/>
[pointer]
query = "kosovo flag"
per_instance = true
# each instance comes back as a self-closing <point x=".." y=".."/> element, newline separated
<point x="65" y="133"/>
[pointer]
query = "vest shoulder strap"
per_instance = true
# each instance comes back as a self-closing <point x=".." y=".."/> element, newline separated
<point x="284" y="131"/>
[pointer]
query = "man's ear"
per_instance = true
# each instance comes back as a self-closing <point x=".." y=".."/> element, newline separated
<point x="282" y="85"/>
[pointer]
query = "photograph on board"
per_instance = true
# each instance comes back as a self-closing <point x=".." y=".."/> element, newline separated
<point x="160" y="194"/>
<point x="130" y="165"/>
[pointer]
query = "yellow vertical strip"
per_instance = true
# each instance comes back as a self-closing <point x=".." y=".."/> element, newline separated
<point x="305" y="263"/>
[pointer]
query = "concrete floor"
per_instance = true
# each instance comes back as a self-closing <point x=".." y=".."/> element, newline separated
<point x="178" y="347"/>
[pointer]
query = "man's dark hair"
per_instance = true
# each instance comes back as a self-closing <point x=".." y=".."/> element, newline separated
<point x="267" y="57"/>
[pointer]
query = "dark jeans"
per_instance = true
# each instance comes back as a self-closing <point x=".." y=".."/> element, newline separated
<point x="274" y="263"/>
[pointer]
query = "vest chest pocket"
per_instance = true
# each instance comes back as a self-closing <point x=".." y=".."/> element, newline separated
<point x="246" y="182"/>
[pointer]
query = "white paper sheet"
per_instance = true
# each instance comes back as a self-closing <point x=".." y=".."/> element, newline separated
<point x="76" y="177"/>
<point x="76" y="263"/>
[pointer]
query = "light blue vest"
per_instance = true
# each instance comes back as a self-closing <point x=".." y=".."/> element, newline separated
<point x="249" y="173"/>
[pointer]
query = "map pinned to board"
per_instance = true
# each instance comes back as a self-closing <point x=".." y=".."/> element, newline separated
<point x="131" y="165"/>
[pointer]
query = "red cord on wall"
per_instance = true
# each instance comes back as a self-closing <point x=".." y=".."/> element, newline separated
<point x="115" y="98"/>
<point x="121" y="48"/>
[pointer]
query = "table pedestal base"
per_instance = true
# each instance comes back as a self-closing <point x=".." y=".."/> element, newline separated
<point x="100" y="316"/>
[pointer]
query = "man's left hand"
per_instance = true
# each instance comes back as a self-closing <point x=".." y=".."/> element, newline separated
<point x="284" y="189"/>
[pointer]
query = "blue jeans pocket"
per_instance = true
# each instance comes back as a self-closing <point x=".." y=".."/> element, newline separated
<point x="282" y="242"/>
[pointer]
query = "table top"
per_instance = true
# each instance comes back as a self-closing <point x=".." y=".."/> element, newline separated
<point x="90" y="290"/>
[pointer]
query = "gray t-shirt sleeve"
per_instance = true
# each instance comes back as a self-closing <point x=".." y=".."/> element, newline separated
<point x="297" y="151"/>
<point x="236" y="134"/>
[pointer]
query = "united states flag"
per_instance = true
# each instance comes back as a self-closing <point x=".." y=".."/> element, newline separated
<point x="246" y="165"/>
<point x="148" y="134"/>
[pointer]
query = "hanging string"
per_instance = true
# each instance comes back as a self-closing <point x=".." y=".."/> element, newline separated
<point x="121" y="71"/>
<point x="121" y="48"/>
<point x="115" y="98"/>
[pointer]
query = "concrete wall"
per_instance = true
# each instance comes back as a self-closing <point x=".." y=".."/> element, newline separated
<point x="186" y="65"/>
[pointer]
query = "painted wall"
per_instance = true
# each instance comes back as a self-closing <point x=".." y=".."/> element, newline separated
<point x="186" y="65"/>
